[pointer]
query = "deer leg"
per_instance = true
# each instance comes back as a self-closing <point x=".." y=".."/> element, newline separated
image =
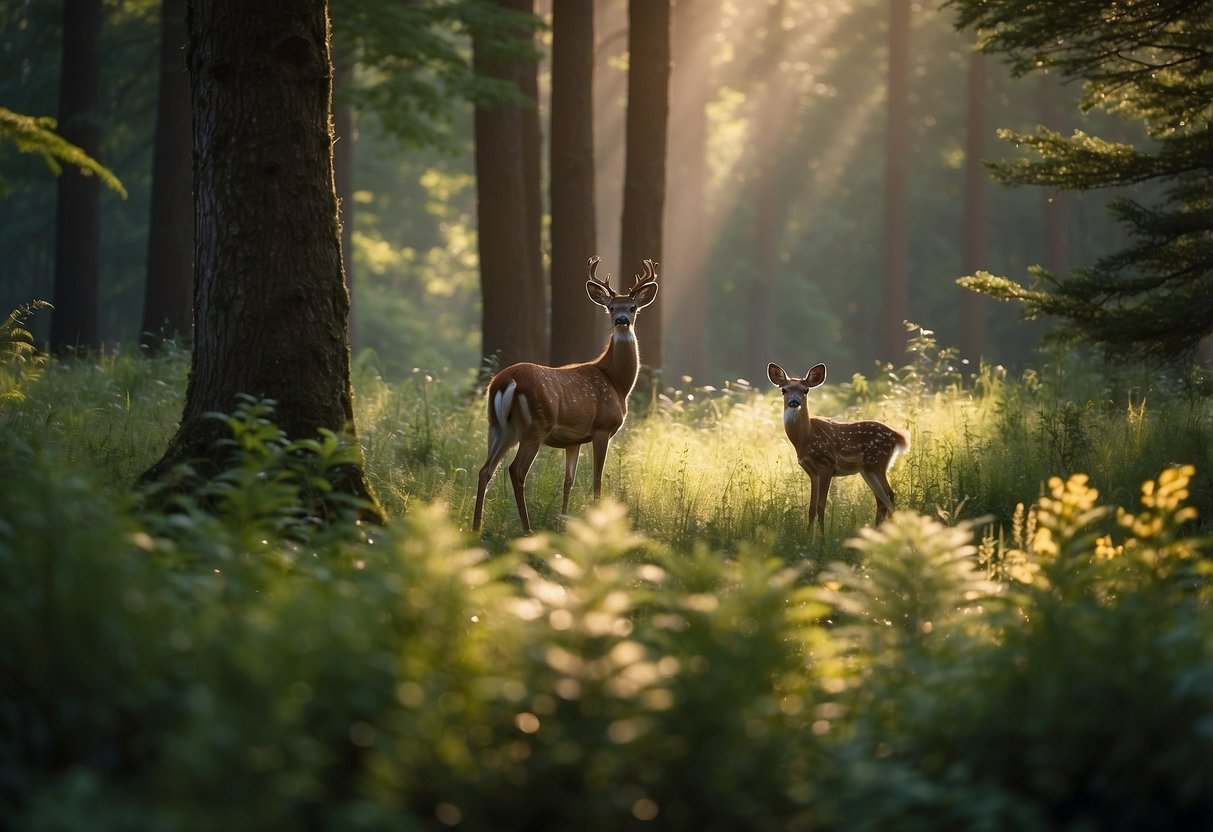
<point x="601" y="441"/>
<point x="812" y="493"/>
<point x="498" y="445"/>
<point x="519" y="468"/>
<point x="570" y="474"/>
<point x="878" y="481"/>
<point x="821" y="491"/>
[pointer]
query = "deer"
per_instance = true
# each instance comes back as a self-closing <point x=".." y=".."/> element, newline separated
<point x="530" y="405"/>
<point x="826" y="449"/>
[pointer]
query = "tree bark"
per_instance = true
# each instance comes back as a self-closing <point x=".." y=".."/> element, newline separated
<point x="270" y="304"/>
<point x="684" y="304"/>
<point x="644" y="167"/>
<point x="78" y="215"/>
<point x="578" y="328"/>
<point x="534" y="279"/>
<point x="512" y="314"/>
<point x="168" y="302"/>
<point x="897" y="135"/>
<point x="610" y="122"/>
<point x="345" y="136"/>
<point x="766" y="140"/>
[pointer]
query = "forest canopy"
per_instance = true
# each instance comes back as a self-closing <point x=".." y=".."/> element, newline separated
<point x="1152" y="63"/>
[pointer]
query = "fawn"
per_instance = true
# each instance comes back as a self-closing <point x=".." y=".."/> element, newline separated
<point x="530" y="405"/>
<point x="826" y="449"/>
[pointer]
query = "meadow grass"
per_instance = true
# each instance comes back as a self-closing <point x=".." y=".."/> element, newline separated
<point x="696" y="465"/>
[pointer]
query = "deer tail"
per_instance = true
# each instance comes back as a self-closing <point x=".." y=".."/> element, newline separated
<point x="900" y="445"/>
<point x="508" y="414"/>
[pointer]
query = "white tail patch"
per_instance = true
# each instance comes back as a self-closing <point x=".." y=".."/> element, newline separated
<point x="900" y="447"/>
<point x="503" y="402"/>
<point x="502" y="434"/>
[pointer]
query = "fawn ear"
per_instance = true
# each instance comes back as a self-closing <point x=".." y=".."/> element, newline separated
<point x="815" y="376"/>
<point x="776" y="374"/>
<point x="644" y="294"/>
<point x="597" y="292"/>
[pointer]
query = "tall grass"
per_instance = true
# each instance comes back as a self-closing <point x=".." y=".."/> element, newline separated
<point x="701" y="464"/>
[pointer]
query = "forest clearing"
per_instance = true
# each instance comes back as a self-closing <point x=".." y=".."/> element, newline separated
<point x="293" y="279"/>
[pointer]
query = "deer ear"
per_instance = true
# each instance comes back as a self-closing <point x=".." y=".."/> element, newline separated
<point x="776" y="374"/>
<point x="644" y="294"/>
<point x="597" y="292"/>
<point x="816" y="375"/>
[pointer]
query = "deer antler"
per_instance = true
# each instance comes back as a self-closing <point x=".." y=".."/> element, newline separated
<point x="592" y="265"/>
<point x="650" y="274"/>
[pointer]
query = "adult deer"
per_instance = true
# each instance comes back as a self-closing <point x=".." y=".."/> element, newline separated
<point x="826" y="449"/>
<point x="565" y="407"/>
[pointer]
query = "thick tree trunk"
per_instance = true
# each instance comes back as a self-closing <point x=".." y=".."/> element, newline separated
<point x="78" y="216"/>
<point x="688" y="247"/>
<point x="767" y="137"/>
<point x="644" y="168"/>
<point x="168" y="302"/>
<point x="535" y="278"/>
<point x="513" y="311"/>
<point x="896" y="295"/>
<point x="270" y="305"/>
<point x="610" y="122"/>
<point x="578" y="327"/>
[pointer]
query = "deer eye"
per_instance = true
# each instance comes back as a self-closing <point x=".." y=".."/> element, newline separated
<point x="632" y="309"/>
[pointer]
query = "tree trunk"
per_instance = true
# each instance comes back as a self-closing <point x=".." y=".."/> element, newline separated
<point x="512" y="311"/>
<point x="684" y="304"/>
<point x="897" y="140"/>
<point x="168" y="301"/>
<point x="973" y="246"/>
<point x="644" y="167"/>
<point x="78" y="215"/>
<point x="270" y="305"/>
<point x="766" y="141"/>
<point x="578" y="328"/>
<point x="534" y="280"/>
<point x="610" y="122"/>
<point x="345" y="135"/>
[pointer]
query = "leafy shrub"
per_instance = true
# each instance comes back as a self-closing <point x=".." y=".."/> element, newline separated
<point x="236" y="662"/>
<point x="20" y="363"/>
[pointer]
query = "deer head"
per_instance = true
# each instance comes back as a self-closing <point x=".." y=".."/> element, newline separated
<point x="622" y="308"/>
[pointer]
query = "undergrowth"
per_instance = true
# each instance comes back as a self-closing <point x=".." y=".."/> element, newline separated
<point x="1027" y="644"/>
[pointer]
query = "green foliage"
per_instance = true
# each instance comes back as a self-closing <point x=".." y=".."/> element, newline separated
<point x="415" y="64"/>
<point x="1151" y="64"/>
<point x="37" y="135"/>
<point x="20" y="363"/>
<point x="194" y="669"/>
<point x="269" y="487"/>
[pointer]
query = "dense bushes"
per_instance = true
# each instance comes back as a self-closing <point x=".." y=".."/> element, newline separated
<point x="246" y="669"/>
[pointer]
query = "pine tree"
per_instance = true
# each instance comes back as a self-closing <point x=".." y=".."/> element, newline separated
<point x="1152" y="63"/>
